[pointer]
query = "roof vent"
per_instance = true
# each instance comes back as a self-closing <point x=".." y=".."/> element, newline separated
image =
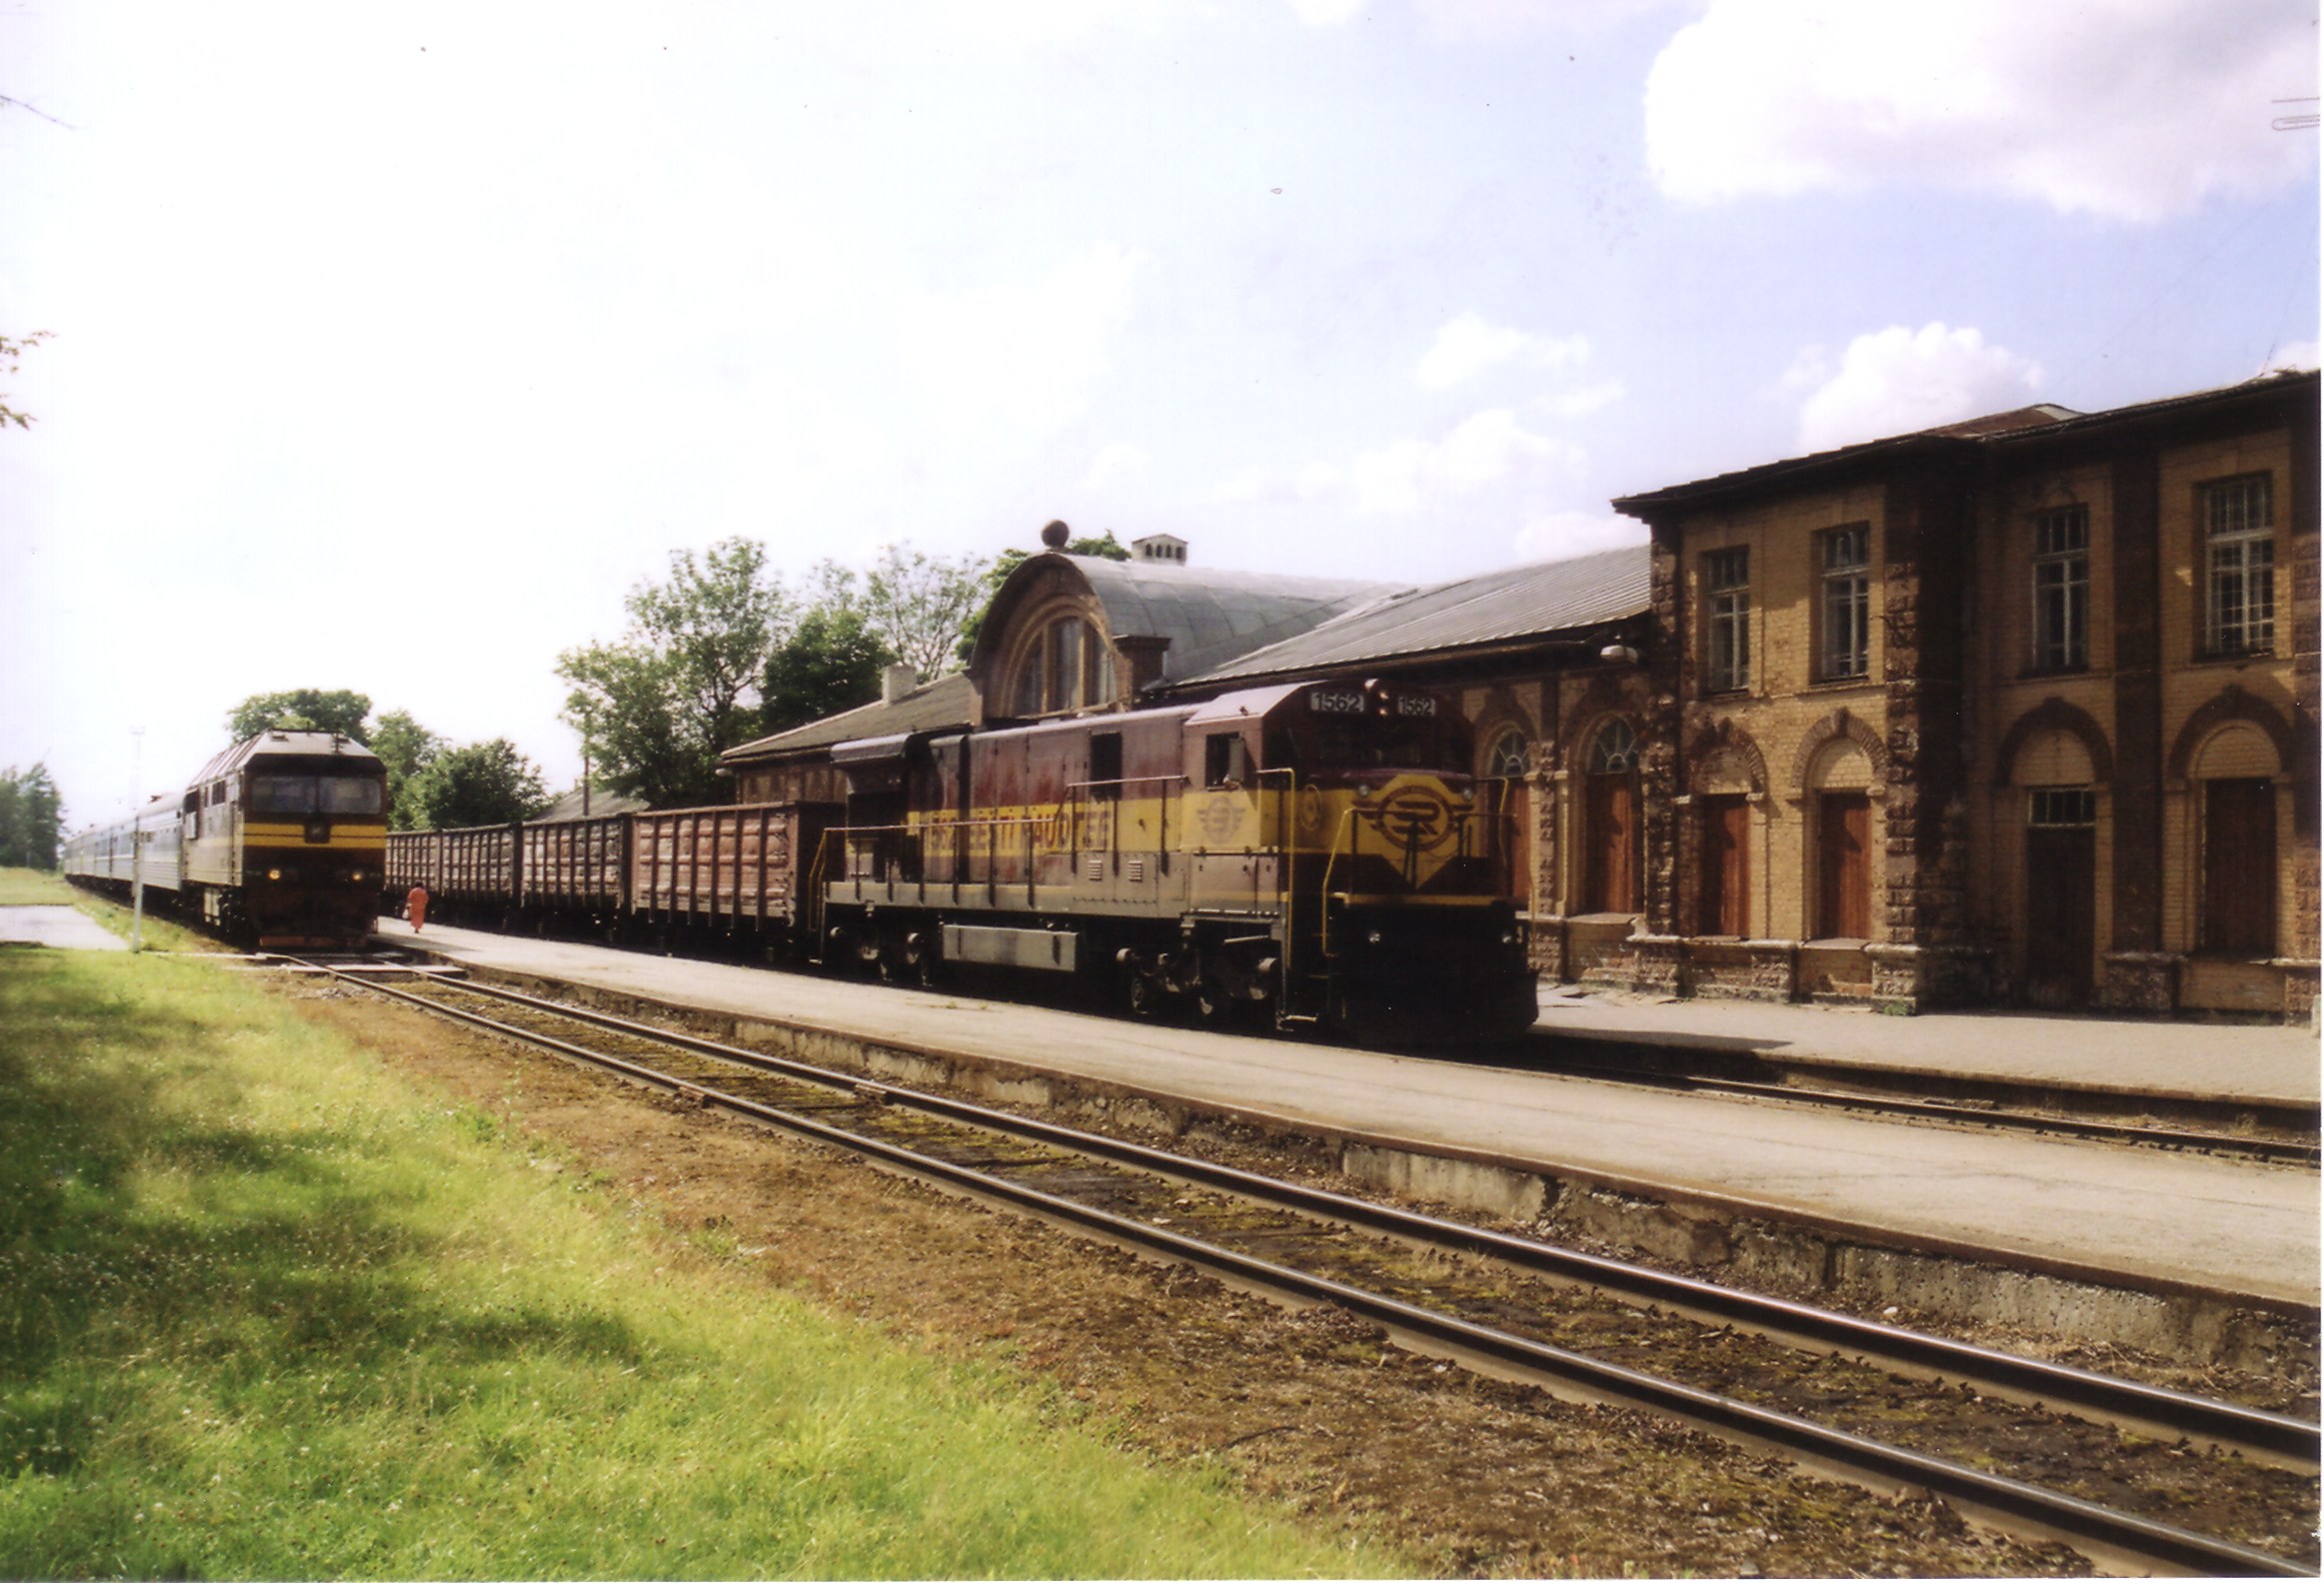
<point x="1166" y="548"/>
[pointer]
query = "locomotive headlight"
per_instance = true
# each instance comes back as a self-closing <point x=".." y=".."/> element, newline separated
<point x="274" y="873"/>
<point x="354" y="877"/>
<point x="1371" y="938"/>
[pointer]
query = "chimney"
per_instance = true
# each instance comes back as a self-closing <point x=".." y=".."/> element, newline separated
<point x="1164" y="549"/>
<point x="897" y="682"/>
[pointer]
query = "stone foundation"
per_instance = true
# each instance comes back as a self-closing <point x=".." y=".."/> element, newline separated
<point x="2146" y="981"/>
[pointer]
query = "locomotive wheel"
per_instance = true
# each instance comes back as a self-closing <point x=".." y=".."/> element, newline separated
<point x="1147" y="998"/>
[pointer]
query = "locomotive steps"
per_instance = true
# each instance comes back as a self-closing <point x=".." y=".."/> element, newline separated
<point x="1733" y="1237"/>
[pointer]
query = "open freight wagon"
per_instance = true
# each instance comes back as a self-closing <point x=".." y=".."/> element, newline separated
<point x="703" y="878"/>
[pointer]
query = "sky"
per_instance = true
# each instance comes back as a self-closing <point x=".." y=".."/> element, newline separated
<point x="390" y="346"/>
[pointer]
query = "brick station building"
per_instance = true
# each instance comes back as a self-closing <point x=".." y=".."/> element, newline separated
<point x="2016" y="710"/>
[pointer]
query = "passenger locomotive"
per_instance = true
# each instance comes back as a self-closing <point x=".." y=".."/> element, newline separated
<point x="279" y="841"/>
<point x="1294" y="856"/>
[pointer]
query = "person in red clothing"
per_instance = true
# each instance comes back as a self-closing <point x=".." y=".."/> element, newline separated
<point x="416" y="907"/>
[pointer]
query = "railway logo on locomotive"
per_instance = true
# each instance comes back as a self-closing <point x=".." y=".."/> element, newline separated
<point x="1413" y="814"/>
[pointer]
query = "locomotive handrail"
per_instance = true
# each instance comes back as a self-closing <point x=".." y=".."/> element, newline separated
<point x="1084" y="785"/>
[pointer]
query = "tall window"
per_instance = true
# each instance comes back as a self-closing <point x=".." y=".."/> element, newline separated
<point x="1728" y="574"/>
<point x="2240" y="561"/>
<point x="2062" y="589"/>
<point x="1847" y="602"/>
<point x="1067" y="666"/>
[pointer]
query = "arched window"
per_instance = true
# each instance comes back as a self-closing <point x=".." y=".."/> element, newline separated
<point x="1610" y="839"/>
<point x="1506" y="763"/>
<point x="1616" y="751"/>
<point x="1064" y="665"/>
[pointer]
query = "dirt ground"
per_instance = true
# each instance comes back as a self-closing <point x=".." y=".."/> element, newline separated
<point x="1312" y="1408"/>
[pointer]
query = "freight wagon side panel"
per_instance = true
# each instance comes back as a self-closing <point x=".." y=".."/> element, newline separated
<point x="479" y="865"/>
<point x="733" y="865"/>
<point x="575" y="865"/>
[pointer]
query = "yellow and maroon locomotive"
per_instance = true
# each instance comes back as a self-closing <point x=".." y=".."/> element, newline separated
<point x="279" y="841"/>
<point x="1307" y="853"/>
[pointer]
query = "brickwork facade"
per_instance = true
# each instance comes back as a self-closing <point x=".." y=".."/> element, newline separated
<point x="2019" y="711"/>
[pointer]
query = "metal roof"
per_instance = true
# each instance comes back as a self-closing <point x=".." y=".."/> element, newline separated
<point x="1209" y="614"/>
<point x="286" y="744"/>
<point x="1518" y="602"/>
<point x="948" y="701"/>
<point x="2022" y="425"/>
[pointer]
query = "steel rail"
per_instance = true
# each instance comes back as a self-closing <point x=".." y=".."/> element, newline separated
<point x="2286" y="1150"/>
<point x="2008" y="1500"/>
<point x="2228" y="1425"/>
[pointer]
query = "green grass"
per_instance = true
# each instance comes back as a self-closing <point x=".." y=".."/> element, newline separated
<point x="268" y="1309"/>
<point x="31" y="887"/>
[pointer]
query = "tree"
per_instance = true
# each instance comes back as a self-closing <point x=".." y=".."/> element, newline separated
<point x="32" y="819"/>
<point x="659" y="706"/>
<point x="920" y="603"/>
<point x="483" y="783"/>
<point x="11" y="348"/>
<point x="1104" y="547"/>
<point x="406" y="747"/>
<point x="305" y="709"/>
<point x="831" y="661"/>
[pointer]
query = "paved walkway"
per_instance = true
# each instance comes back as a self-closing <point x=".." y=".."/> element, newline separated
<point x="2225" y="1226"/>
<point x="68" y="927"/>
<point x="2115" y="1054"/>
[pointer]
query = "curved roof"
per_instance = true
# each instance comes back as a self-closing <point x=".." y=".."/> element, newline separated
<point x="1509" y="606"/>
<point x="285" y="744"/>
<point x="1209" y="615"/>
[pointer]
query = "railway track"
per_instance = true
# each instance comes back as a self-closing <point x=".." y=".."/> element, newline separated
<point x="2278" y="1150"/>
<point x="2136" y="1477"/>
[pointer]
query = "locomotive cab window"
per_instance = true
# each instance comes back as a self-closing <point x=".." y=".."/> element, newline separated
<point x="1225" y="760"/>
<point x="348" y="795"/>
<point x="1105" y="766"/>
<point x="282" y="793"/>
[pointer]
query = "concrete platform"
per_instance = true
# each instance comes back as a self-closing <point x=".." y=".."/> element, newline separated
<point x="65" y="927"/>
<point x="2196" y="1070"/>
<point x="2161" y="1220"/>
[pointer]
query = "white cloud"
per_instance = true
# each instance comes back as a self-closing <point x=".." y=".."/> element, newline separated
<point x="1896" y="381"/>
<point x="1583" y="401"/>
<point x="2291" y="355"/>
<point x="2135" y="110"/>
<point x="1490" y="453"/>
<point x="1488" y="21"/>
<point x="1468" y="346"/>
<point x="1559" y="536"/>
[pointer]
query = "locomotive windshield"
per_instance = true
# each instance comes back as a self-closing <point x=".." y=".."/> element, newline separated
<point x="305" y="794"/>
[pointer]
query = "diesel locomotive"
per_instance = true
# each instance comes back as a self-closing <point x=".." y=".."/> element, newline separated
<point x="1315" y="853"/>
<point x="1311" y="854"/>
<point x="279" y="841"/>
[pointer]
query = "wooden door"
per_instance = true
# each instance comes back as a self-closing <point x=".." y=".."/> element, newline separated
<point x="1843" y="867"/>
<point x="2239" y="868"/>
<point x="1516" y="810"/>
<point x="1726" y="871"/>
<point x="2061" y="913"/>
<point x="1610" y="883"/>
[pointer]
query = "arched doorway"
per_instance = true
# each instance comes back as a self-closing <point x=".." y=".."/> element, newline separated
<point x="1508" y="761"/>
<point x="1611" y="833"/>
